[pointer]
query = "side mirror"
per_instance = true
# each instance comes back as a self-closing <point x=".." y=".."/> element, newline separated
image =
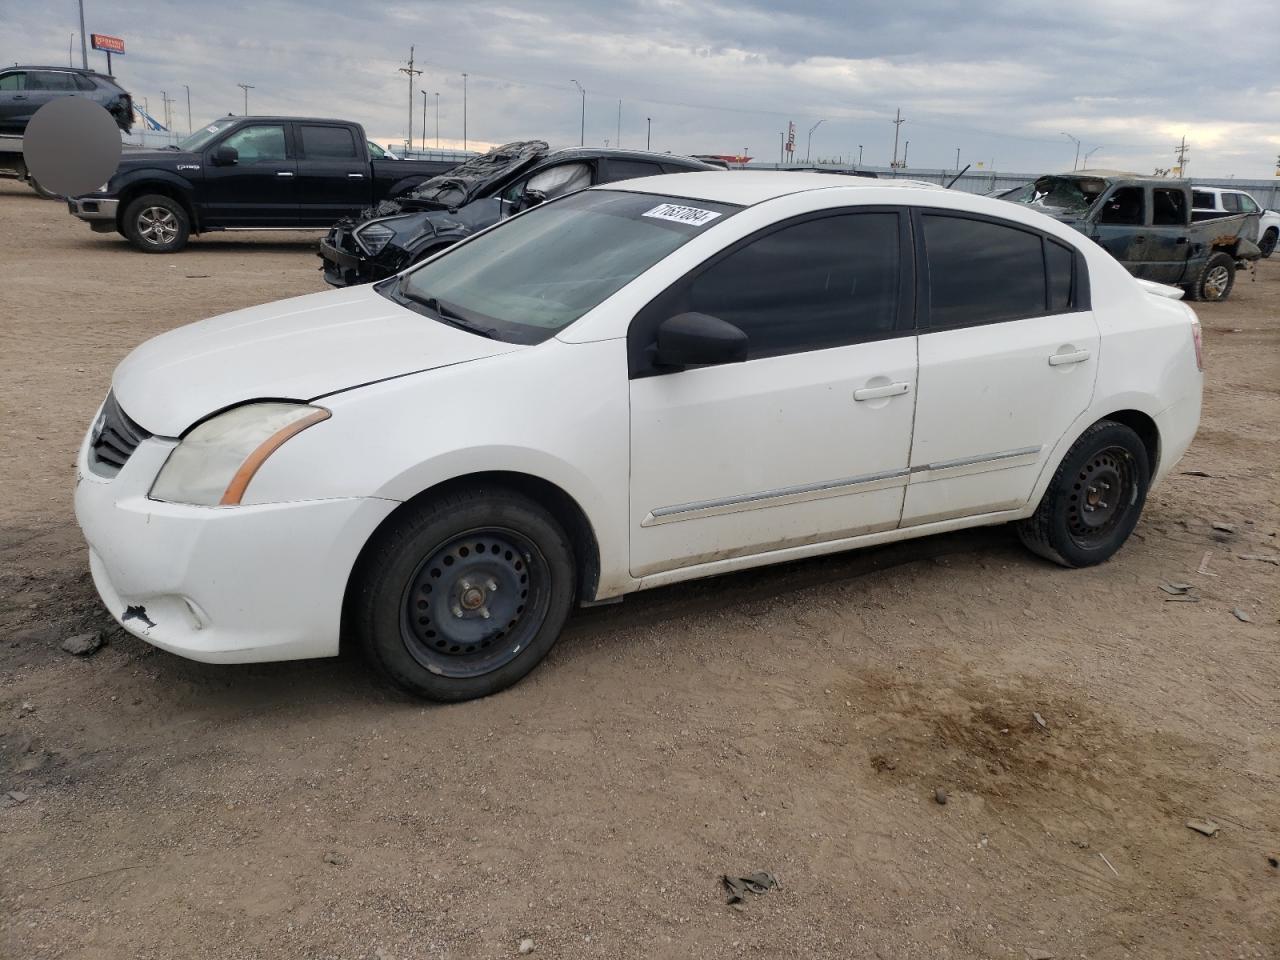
<point x="692" y="339"/>
<point x="224" y="156"/>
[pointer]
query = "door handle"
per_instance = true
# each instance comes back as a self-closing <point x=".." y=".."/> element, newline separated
<point x="284" y="173"/>
<point x="356" y="176"/>
<point x="1076" y="356"/>
<point x="876" y="393"/>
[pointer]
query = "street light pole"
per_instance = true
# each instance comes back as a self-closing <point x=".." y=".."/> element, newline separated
<point x="190" y="129"/>
<point x="582" y="131"/>
<point x="424" y="120"/>
<point x="809" y="147"/>
<point x="84" y="46"/>
<point x="859" y="155"/>
<point x="437" y="120"/>
<point x="617" y="141"/>
<point x="648" y="133"/>
<point x="1075" y="163"/>
<point x="957" y="159"/>
<point x="464" y="111"/>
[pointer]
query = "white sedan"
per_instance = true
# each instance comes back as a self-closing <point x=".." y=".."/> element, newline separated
<point x="638" y="384"/>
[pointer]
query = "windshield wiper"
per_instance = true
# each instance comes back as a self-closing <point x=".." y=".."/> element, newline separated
<point x="445" y="311"/>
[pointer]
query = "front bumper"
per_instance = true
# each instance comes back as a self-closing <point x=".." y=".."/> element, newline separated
<point x="220" y="584"/>
<point x="92" y="209"/>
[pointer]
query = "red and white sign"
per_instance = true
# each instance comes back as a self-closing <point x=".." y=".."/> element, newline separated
<point x="101" y="41"/>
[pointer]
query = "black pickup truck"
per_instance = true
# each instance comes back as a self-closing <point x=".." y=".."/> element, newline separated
<point x="1146" y="223"/>
<point x="246" y="173"/>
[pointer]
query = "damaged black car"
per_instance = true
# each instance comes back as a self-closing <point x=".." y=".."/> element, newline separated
<point x="397" y="233"/>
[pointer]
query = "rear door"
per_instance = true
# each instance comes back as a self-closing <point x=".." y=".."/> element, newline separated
<point x="13" y="101"/>
<point x="333" y="174"/>
<point x="1008" y="358"/>
<point x="1168" y="242"/>
<point x="260" y="189"/>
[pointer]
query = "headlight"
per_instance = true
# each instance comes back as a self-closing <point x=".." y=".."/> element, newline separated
<point x="103" y="188"/>
<point x="215" y="462"/>
<point x="373" y="236"/>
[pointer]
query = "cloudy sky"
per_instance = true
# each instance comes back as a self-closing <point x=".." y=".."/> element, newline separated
<point x="1001" y="81"/>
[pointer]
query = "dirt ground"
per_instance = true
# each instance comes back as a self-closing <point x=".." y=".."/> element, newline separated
<point x="796" y="720"/>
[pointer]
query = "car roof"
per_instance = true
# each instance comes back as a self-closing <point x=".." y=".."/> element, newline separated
<point x="748" y="187"/>
<point x="618" y="153"/>
<point x="36" y="66"/>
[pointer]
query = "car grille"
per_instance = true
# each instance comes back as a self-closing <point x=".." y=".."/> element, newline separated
<point x="113" y="440"/>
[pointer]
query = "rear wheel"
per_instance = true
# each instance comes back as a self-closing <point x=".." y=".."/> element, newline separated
<point x="1268" y="242"/>
<point x="1216" y="279"/>
<point x="465" y="594"/>
<point x="157" y="224"/>
<point x="1094" y="500"/>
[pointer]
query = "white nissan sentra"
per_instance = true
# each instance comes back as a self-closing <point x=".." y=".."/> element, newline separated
<point x="637" y="384"/>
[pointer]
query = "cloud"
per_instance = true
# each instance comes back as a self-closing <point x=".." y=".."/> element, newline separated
<point x="1001" y="80"/>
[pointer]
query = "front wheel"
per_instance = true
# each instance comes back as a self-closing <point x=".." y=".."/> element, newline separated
<point x="463" y="595"/>
<point x="157" y="224"/>
<point x="1268" y="242"/>
<point x="1094" y="499"/>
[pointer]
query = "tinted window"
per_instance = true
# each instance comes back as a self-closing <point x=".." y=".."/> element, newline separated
<point x="981" y="272"/>
<point x="1231" y="202"/>
<point x="328" y="143"/>
<point x="13" y="81"/>
<point x="1058" y="260"/>
<point x="1125" y="206"/>
<point x="816" y="284"/>
<point x="48" y="80"/>
<point x="1202" y="201"/>
<point x="627" y="169"/>
<point x="1168" y="207"/>
<point x="259" y="142"/>
<point x="84" y="83"/>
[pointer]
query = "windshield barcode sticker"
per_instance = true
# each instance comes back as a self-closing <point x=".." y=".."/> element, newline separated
<point x="681" y="214"/>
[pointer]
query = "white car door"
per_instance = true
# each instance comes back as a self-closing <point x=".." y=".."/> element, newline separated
<point x="808" y="439"/>
<point x="1008" y="359"/>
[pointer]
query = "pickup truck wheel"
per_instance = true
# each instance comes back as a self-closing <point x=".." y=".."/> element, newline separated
<point x="1094" y="499"/>
<point x="157" y="224"/>
<point x="464" y="594"/>
<point x="1217" y="277"/>
<point x="1268" y="242"/>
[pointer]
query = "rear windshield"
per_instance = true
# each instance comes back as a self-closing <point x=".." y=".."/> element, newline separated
<point x="535" y="274"/>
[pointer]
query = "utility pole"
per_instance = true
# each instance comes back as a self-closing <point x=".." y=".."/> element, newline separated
<point x="84" y="46"/>
<point x="190" y="129"/>
<point x="437" y="119"/>
<point x="781" y="141"/>
<point x="582" y="131"/>
<point x="957" y="159"/>
<point x="411" y="74"/>
<point x="1075" y="163"/>
<point x="859" y="155"/>
<point x="648" y="133"/>
<point x="809" y="146"/>
<point x="424" y="120"/>
<point x="1182" y="156"/>
<point x="464" y="111"/>
<point x="168" y="114"/>
<point x="897" y="124"/>
<point x="617" y="141"/>
<point x="905" y="150"/>
<point x="246" y="87"/>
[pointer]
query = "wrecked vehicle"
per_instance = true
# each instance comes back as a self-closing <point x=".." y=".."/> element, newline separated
<point x="474" y="195"/>
<point x="245" y="173"/>
<point x="1146" y="223"/>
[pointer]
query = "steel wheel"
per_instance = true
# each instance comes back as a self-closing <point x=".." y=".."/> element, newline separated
<point x="1102" y="494"/>
<point x="475" y="603"/>
<point x="1216" y="282"/>
<point x="157" y="225"/>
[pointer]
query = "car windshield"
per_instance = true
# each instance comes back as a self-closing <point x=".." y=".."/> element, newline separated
<point x="206" y="133"/>
<point x="1066" y="193"/>
<point x="536" y="273"/>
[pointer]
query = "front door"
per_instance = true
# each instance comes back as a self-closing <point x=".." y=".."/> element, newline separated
<point x="1120" y="226"/>
<point x="260" y="188"/>
<point x="807" y="441"/>
<point x="333" y="175"/>
<point x="1008" y="358"/>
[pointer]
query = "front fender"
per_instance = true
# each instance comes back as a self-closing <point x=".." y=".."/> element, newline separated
<point x="134" y="183"/>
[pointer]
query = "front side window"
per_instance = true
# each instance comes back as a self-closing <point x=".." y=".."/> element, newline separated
<point x="558" y="181"/>
<point x="328" y="143"/>
<point x="376" y="151"/>
<point x="1248" y="204"/>
<point x="199" y="139"/>
<point x="812" y="285"/>
<point x="258" y="143"/>
<point x="534" y="274"/>
<point x="1125" y="207"/>
<point x="1168" y="207"/>
<point x="982" y="272"/>
<point x="13" y="81"/>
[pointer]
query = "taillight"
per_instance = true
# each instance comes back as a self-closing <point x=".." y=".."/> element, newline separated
<point x="1198" y="339"/>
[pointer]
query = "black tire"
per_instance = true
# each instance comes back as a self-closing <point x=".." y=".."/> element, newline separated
<point x="461" y="596"/>
<point x="1268" y="242"/>
<point x="1094" y="500"/>
<point x="1217" y="277"/>
<point x="155" y="223"/>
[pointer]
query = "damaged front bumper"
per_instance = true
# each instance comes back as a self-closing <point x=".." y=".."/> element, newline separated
<point x="220" y="584"/>
<point x="344" y="265"/>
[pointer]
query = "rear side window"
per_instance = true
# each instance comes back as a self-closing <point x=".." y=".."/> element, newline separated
<point x="1231" y="202"/>
<point x="84" y="83"/>
<point x="1168" y="207"/>
<point x="1202" y="201"/>
<point x="628" y="169"/>
<point x="13" y="81"/>
<point x="808" y="286"/>
<point x="49" y="80"/>
<point x="1058" y="262"/>
<point x="328" y="143"/>
<point x="982" y="272"/>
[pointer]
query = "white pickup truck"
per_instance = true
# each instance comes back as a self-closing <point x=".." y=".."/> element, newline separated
<point x="1208" y="203"/>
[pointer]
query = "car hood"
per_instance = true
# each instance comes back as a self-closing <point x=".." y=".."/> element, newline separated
<point x="415" y="230"/>
<point x="299" y="349"/>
